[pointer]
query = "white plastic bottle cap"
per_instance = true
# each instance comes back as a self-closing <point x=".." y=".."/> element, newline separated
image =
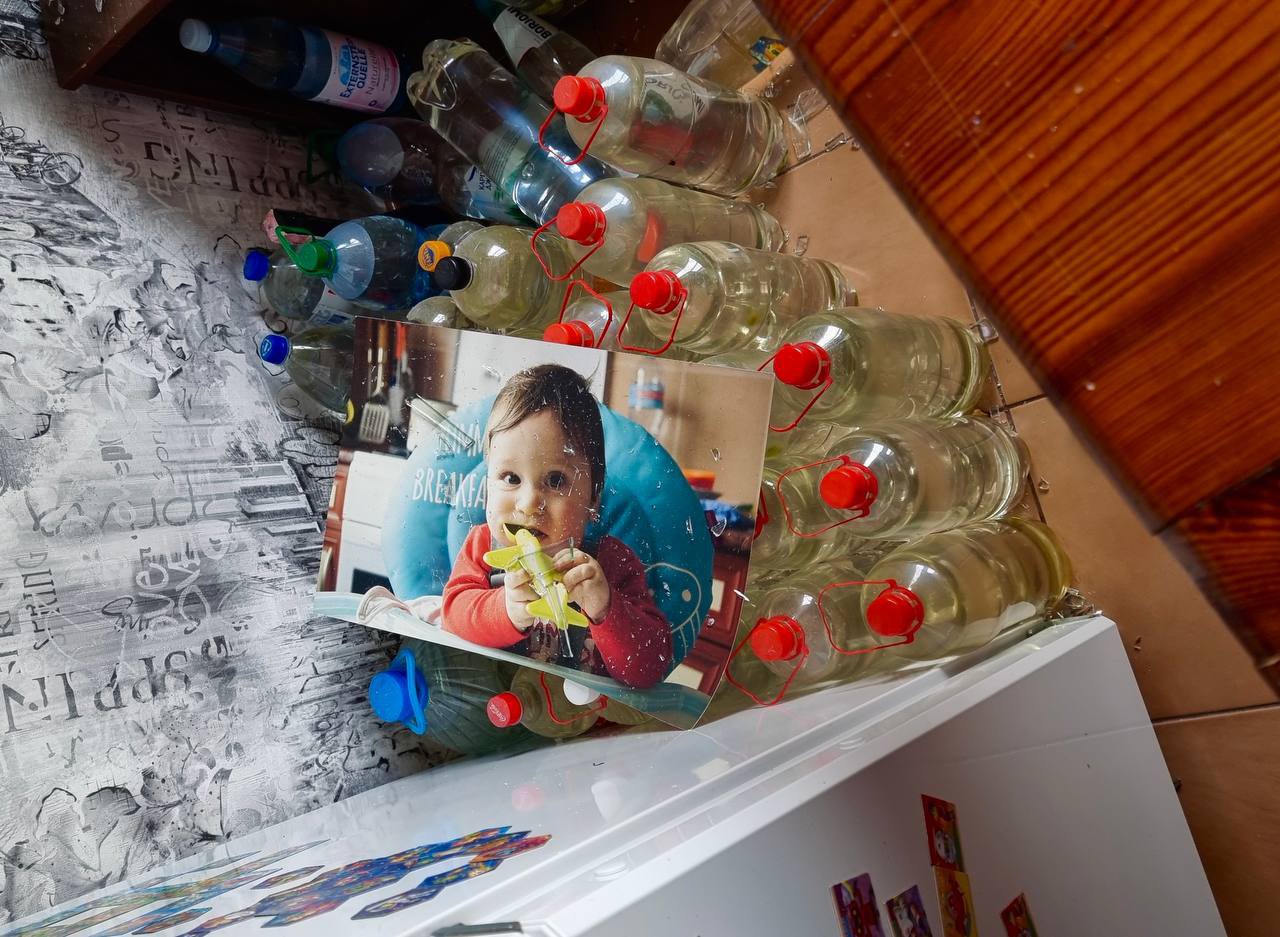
<point x="578" y="694"/>
<point x="195" y="35"/>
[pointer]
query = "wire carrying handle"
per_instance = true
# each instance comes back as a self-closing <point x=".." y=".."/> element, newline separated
<point x="608" y="308"/>
<point x="675" y="326"/>
<point x="826" y="381"/>
<point x="542" y="262"/>
<point x="800" y="659"/>
<point x="786" y="511"/>
<point x="596" y="116"/>
<point x="597" y="706"/>
<point x="907" y="638"/>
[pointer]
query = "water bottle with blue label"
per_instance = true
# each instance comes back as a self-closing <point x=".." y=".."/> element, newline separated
<point x="315" y="64"/>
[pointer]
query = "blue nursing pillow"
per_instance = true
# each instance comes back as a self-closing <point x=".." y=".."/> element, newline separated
<point x="647" y="504"/>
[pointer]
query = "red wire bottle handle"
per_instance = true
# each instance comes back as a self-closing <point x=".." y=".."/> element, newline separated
<point x="826" y="622"/>
<point x="675" y="325"/>
<point x="533" y="246"/>
<point x="608" y="308"/>
<point x="826" y="383"/>
<point x="728" y="672"/>
<point x="762" y="516"/>
<point x="786" y="511"/>
<point x="542" y="133"/>
<point x="598" y="706"/>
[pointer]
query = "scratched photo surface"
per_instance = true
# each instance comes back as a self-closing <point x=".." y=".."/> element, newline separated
<point x="162" y="683"/>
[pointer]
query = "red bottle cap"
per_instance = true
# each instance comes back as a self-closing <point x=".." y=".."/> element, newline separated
<point x="504" y="710"/>
<point x="583" y="222"/>
<point x="851" y="487"/>
<point x="777" y="638"/>
<point x="657" y="290"/>
<point x="802" y="364"/>
<point x="578" y="97"/>
<point x="573" y="332"/>
<point x="895" y="612"/>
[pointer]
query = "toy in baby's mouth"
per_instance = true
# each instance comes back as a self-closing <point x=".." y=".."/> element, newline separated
<point x="553" y="602"/>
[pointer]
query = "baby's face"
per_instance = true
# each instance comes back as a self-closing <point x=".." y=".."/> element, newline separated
<point x="536" y="481"/>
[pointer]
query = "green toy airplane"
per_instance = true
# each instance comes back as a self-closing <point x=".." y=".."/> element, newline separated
<point x="553" y="603"/>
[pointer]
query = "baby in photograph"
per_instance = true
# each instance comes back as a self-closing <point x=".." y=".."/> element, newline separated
<point x="544" y="453"/>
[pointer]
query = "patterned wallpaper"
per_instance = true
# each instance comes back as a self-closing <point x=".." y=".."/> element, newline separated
<point x="162" y="684"/>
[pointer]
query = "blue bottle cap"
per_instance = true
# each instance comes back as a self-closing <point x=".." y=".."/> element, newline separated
<point x="257" y="264"/>
<point x="274" y="349"/>
<point x="390" y="697"/>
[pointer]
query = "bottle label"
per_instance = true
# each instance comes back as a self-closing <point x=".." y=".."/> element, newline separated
<point x="521" y="32"/>
<point x="672" y="100"/>
<point x="764" y="50"/>
<point x="332" y="309"/>
<point x="363" y="76"/>
<point x="502" y="156"/>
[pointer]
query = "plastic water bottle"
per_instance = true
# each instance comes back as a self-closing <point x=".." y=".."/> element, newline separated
<point x="536" y="701"/>
<point x="649" y="118"/>
<point x="617" y="226"/>
<point x="541" y="54"/>
<point x="713" y="296"/>
<point x="905" y="478"/>
<point x="442" y="242"/>
<point x="373" y="262"/>
<point x="611" y="711"/>
<point x="775" y="546"/>
<point x="646" y="403"/>
<point x="725" y="41"/>
<point x="293" y="295"/>
<point x="451" y="688"/>
<point x="856" y="365"/>
<point x="954" y="591"/>
<point x="493" y="119"/>
<point x="791" y="634"/>
<point x="590" y="321"/>
<point x="497" y="282"/>
<point x="311" y="63"/>
<point x="319" y="360"/>
<point x="438" y="310"/>
<point x="404" y="162"/>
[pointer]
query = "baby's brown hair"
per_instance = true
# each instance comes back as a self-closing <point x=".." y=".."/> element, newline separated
<point x="566" y="393"/>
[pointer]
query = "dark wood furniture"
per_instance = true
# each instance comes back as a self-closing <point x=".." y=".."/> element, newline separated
<point x="1107" y="179"/>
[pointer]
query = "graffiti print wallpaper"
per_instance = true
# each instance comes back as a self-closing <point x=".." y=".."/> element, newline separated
<point x="162" y="684"/>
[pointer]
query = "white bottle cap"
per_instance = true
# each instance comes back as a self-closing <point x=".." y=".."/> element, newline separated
<point x="195" y="35"/>
<point x="578" y="694"/>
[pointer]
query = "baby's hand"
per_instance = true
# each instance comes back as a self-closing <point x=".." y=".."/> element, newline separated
<point x="518" y="594"/>
<point x="584" y="580"/>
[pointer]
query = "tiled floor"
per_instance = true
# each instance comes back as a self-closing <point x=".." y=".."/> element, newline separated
<point x="1215" y="716"/>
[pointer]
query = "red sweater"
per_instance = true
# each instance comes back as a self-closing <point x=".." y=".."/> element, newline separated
<point x="633" y="638"/>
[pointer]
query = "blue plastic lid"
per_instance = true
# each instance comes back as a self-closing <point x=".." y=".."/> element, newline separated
<point x="257" y="264"/>
<point x="274" y="349"/>
<point x="390" y="697"/>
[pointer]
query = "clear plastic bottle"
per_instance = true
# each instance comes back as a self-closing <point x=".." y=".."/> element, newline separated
<point x="790" y="635"/>
<point x="775" y="547"/>
<point x="404" y="162"/>
<point x="452" y="688"/>
<point x="546" y="7"/>
<point x="901" y="479"/>
<point x="592" y="322"/>
<point x="438" y="310"/>
<point x="526" y="704"/>
<point x="293" y="295"/>
<point x="856" y="365"/>
<point x="311" y="63"/>
<point x="541" y="54"/>
<point x="616" y="226"/>
<point x="497" y="282"/>
<point x="612" y="711"/>
<point x="319" y="360"/>
<point x="712" y="296"/>
<point x="373" y="262"/>
<point x="492" y="118"/>
<point x="725" y="41"/>
<point x="955" y="591"/>
<point x="649" y="118"/>
<point x="442" y="245"/>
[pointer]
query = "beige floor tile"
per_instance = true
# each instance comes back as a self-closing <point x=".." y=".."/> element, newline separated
<point x="1228" y="769"/>
<point x="838" y="207"/>
<point x="1186" y="659"/>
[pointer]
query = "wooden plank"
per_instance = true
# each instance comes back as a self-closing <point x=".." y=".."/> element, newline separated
<point x="1107" y="177"/>
<point x="1236" y="538"/>
<point x="82" y="37"/>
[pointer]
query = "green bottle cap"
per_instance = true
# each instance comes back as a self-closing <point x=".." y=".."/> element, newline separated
<point x="316" y="257"/>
